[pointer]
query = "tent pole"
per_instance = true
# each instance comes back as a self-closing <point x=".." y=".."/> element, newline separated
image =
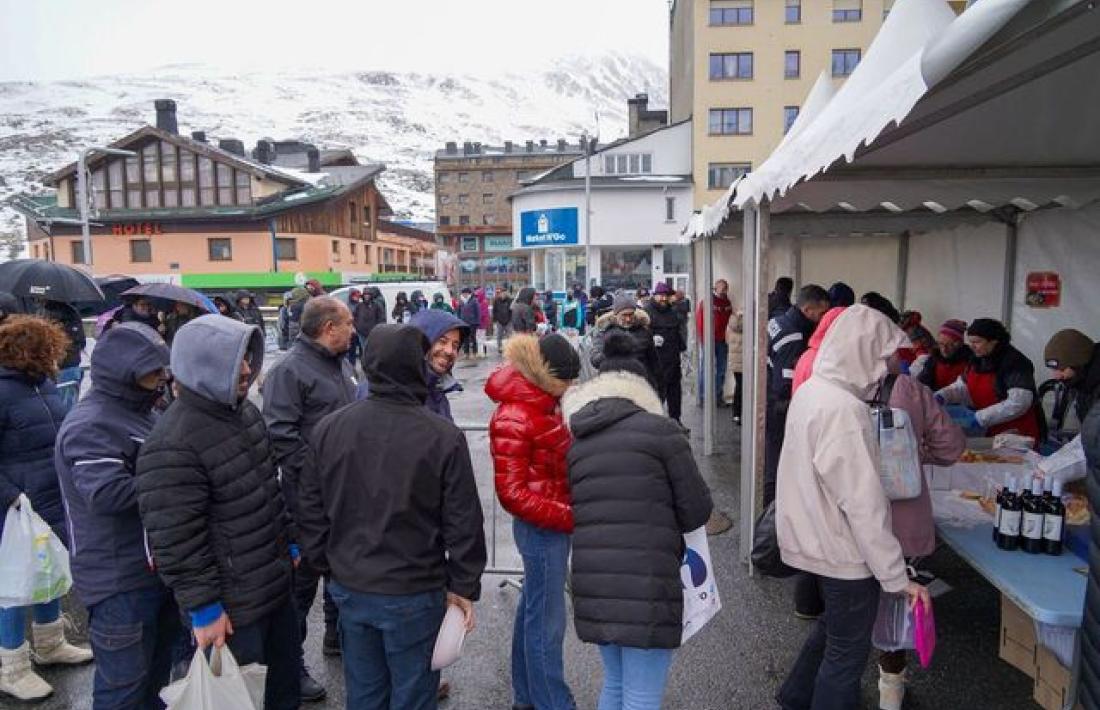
<point x="709" y="399"/>
<point x="760" y="364"/>
<point x="903" y="271"/>
<point x="1011" y="237"/>
<point x="748" y="395"/>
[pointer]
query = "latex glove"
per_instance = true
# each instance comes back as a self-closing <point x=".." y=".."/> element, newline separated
<point x="940" y="399"/>
<point x="968" y="420"/>
<point x="658" y="340"/>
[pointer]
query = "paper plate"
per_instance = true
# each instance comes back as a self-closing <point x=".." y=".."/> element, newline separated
<point x="448" y="644"/>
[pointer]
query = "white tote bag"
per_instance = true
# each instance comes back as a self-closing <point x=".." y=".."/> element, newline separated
<point x="701" y="601"/>
<point x="219" y="684"/>
<point x="34" y="565"/>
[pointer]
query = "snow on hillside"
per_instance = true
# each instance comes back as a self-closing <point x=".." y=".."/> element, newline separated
<point x="397" y="118"/>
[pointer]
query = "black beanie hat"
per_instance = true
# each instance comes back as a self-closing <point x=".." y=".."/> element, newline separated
<point x="563" y="360"/>
<point x="620" y="354"/>
<point x="989" y="329"/>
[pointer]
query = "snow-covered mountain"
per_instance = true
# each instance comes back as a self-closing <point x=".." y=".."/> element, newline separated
<point x="397" y="118"/>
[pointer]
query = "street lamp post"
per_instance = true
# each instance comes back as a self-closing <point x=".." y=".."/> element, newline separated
<point x="82" y="195"/>
<point x="587" y="210"/>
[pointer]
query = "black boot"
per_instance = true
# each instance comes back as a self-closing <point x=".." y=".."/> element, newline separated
<point x="330" y="646"/>
<point x="312" y="691"/>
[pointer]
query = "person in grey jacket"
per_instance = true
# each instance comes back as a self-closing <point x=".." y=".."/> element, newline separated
<point x="313" y="380"/>
<point x="96" y="460"/>
<point x="523" y="312"/>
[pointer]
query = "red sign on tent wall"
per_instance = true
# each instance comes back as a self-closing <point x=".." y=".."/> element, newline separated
<point x="1044" y="289"/>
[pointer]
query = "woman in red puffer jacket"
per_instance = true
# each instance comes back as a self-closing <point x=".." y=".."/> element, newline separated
<point x="528" y="441"/>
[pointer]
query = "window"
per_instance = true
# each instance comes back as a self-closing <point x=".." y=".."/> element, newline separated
<point x="444" y="221"/>
<point x="354" y="253"/>
<point x="366" y="215"/>
<point x="487" y="198"/>
<point x="609" y="164"/>
<point x="149" y="161"/>
<point x="336" y="250"/>
<point x="464" y="177"/>
<point x="353" y="214"/>
<point x="443" y="178"/>
<point x="722" y="175"/>
<point x="790" y="113"/>
<point x="736" y="65"/>
<point x="647" y="163"/>
<point x="77" y="252"/>
<point x="628" y="163"/>
<point x="152" y="196"/>
<point x="487" y="219"/>
<point x="168" y="162"/>
<point x="286" y="249"/>
<point x="845" y="61"/>
<point x="487" y="176"/>
<point x="730" y="121"/>
<point x="635" y="164"/>
<point x="792" y="64"/>
<point x="468" y="244"/>
<point x="206" y="182"/>
<point x="670" y="208"/>
<point x="444" y="199"/>
<point x="244" y="188"/>
<point x="621" y="164"/>
<point x="847" y="10"/>
<point x="463" y="219"/>
<point x="99" y="189"/>
<point x="114" y="178"/>
<point x="731" y="12"/>
<point x="225" y="184"/>
<point x="218" y="249"/>
<point x="794" y="12"/>
<point x="141" y="251"/>
<point x="463" y="199"/>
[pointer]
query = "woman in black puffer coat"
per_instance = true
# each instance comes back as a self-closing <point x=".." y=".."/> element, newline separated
<point x="636" y="491"/>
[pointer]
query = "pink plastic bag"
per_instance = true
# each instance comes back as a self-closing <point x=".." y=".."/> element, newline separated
<point x="925" y="633"/>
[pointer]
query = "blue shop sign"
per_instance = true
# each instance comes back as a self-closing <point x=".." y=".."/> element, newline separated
<point x="547" y="228"/>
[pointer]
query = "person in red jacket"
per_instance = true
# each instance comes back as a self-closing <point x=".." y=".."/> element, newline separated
<point x="528" y="441"/>
<point x="722" y="310"/>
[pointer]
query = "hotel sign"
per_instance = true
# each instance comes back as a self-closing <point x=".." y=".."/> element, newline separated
<point x="548" y="228"/>
<point x="136" y="228"/>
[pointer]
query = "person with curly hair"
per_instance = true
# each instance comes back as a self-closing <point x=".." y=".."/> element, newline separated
<point x="31" y="411"/>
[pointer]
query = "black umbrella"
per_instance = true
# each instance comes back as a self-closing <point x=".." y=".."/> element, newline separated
<point x="170" y="292"/>
<point x="48" y="280"/>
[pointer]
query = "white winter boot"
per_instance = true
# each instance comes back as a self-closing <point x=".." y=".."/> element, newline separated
<point x="17" y="678"/>
<point x="51" y="648"/>
<point x="891" y="690"/>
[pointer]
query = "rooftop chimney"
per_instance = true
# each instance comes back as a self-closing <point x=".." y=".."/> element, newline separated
<point x="313" y="156"/>
<point x="198" y="136"/>
<point x="561" y="145"/>
<point x="530" y="146"/>
<point x="641" y="119"/>
<point x="477" y="148"/>
<point x="507" y="146"/>
<point x="232" y="145"/>
<point x="467" y="148"/>
<point x="542" y="143"/>
<point x="166" y="115"/>
<point x="264" y="152"/>
<point x="452" y="147"/>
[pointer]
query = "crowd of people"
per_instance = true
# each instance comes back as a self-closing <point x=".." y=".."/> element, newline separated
<point x="216" y="522"/>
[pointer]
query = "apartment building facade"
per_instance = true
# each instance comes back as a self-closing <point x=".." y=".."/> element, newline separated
<point x="741" y="70"/>
<point x="473" y="183"/>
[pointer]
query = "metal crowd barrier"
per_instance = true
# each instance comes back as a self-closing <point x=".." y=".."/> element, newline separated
<point x="493" y="567"/>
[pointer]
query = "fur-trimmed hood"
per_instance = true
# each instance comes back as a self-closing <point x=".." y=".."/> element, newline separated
<point x="641" y="319"/>
<point x="525" y="376"/>
<point x="606" y="399"/>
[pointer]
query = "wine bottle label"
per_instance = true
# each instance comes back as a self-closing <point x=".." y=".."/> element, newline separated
<point x="1033" y="526"/>
<point x="1010" y="523"/>
<point x="1052" y="528"/>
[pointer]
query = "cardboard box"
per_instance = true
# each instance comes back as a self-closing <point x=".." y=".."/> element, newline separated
<point x="1018" y="645"/>
<point x="1052" y="681"/>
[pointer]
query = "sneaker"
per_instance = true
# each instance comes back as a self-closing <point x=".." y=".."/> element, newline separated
<point x="891" y="690"/>
<point x="311" y="691"/>
<point x="330" y="646"/>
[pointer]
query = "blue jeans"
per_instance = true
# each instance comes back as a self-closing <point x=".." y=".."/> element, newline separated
<point x="272" y="641"/>
<point x="633" y="678"/>
<point x="721" y="359"/>
<point x="538" y="670"/>
<point x="13" y="621"/>
<point x="134" y="637"/>
<point x="829" y="669"/>
<point x="68" y="385"/>
<point x="387" y="643"/>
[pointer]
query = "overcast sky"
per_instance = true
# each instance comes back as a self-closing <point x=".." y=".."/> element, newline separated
<point x="59" y="39"/>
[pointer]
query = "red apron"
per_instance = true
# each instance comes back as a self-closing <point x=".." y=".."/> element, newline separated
<point x="946" y="373"/>
<point x="983" y="393"/>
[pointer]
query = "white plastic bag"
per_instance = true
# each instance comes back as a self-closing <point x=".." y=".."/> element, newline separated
<point x="1067" y="463"/>
<point x="219" y="684"/>
<point x="899" y="454"/>
<point x="34" y="565"/>
<point x="701" y="601"/>
<point x="894" y="627"/>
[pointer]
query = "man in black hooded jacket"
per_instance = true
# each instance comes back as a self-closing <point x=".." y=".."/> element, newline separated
<point x="398" y="556"/>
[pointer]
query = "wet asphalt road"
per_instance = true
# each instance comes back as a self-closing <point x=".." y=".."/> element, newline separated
<point x="736" y="661"/>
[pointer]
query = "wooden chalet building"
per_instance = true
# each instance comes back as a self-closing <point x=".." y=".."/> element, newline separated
<point x="213" y="216"/>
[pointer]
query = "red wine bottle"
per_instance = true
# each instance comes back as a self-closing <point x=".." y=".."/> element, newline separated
<point x="1053" y="522"/>
<point x="997" y="512"/>
<point x="1011" y="516"/>
<point x="1031" y="534"/>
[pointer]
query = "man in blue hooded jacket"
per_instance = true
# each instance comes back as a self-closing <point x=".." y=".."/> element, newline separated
<point x="134" y="621"/>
